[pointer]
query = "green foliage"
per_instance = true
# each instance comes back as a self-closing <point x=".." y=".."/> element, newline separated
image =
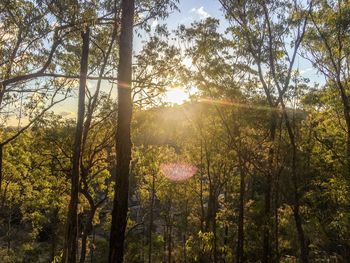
<point x="269" y="148"/>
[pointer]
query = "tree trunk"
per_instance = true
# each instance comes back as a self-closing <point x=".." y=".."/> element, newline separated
<point x="268" y="186"/>
<point x="304" y="253"/>
<point x="277" y="254"/>
<point x="70" y="246"/>
<point x="54" y="222"/>
<point x="8" y="234"/>
<point x="169" y="242"/>
<point x="1" y="163"/>
<point x="87" y="230"/>
<point x="215" y="238"/>
<point x="184" y="248"/>
<point x="240" y="238"/>
<point x="92" y="247"/>
<point x="201" y="190"/>
<point x="151" y="221"/>
<point x="301" y="236"/>
<point x="123" y="139"/>
<point x="165" y="231"/>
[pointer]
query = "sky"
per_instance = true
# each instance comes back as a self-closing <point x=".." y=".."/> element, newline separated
<point x="190" y="11"/>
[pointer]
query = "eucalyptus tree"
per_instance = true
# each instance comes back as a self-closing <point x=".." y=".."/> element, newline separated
<point x="28" y="45"/>
<point x="327" y="47"/>
<point x="70" y="250"/>
<point x="222" y="78"/>
<point x="124" y="115"/>
<point x="271" y="34"/>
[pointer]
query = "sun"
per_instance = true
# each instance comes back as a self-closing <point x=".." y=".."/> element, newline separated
<point x="176" y="96"/>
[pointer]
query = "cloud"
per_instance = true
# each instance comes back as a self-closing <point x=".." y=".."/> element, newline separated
<point x="68" y="114"/>
<point x="200" y="12"/>
<point x="306" y="70"/>
<point x="155" y="23"/>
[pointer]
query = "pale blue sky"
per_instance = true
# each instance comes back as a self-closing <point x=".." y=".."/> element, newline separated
<point x="190" y="11"/>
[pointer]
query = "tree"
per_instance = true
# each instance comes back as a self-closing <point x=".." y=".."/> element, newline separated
<point x="266" y="42"/>
<point x="123" y="136"/>
<point x="327" y="47"/>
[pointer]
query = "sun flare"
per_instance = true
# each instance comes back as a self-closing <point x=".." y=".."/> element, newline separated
<point x="176" y="96"/>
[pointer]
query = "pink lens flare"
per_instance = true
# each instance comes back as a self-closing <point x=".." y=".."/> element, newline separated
<point x="178" y="171"/>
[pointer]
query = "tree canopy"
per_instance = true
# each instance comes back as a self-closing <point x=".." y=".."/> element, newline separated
<point x="98" y="164"/>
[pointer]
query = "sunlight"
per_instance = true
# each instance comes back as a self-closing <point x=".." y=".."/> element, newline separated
<point x="176" y="96"/>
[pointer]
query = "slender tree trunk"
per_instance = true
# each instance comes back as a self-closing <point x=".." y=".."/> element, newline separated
<point x="165" y="230"/>
<point x="2" y="92"/>
<point x="240" y="238"/>
<point x="201" y="190"/>
<point x="54" y="223"/>
<point x="268" y="186"/>
<point x="143" y="244"/>
<point x="215" y="238"/>
<point x="184" y="248"/>
<point x="304" y="253"/>
<point x="277" y="254"/>
<point x="266" y="227"/>
<point x="1" y="163"/>
<point x="123" y="139"/>
<point x="92" y="245"/>
<point x="83" y="247"/>
<point x="86" y="232"/>
<point x="8" y="234"/>
<point x="301" y="235"/>
<point x="184" y="234"/>
<point x="70" y="246"/>
<point x="151" y="221"/>
<point x="169" y="242"/>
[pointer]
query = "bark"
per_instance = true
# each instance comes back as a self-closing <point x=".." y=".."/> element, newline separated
<point x="123" y="138"/>
<point x="169" y="242"/>
<point x="165" y="230"/>
<point x="54" y="223"/>
<point x="304" y="253"/>
<point x="215" y="239"/>
<point x="93" y="105"/>
<point x="268" y="186"/>
<point x="151" y="221"/>
<point x="201" y="190"/>
<point x="8" y="234"/>
<point x="211" y="222"/>
<point x="240" y="238"/>
<point x="184" y="248"/>
<point x="70" y="245"/>
<point x="92" y="247"/>
<point x="86" y="232"/>
<point x="277" y="254"/>
<point x="6" y="82"/>
<point x="1" y="163"/>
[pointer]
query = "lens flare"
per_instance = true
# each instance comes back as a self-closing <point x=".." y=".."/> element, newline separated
<point x="178" y="171"/>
